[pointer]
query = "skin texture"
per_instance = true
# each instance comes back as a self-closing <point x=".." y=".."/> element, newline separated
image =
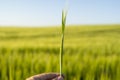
<point x="46" y="76"/>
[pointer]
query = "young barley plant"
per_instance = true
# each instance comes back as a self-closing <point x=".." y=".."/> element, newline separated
<point x="64" y="14"/>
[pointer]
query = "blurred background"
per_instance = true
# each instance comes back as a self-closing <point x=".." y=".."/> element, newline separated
<point x="30" y="36"/>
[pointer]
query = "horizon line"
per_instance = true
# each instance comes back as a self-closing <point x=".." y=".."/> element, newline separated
<point x="58" y="25"/>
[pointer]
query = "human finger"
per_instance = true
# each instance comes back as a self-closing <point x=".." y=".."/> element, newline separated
<point x="58" y="78"/>
<point x="44" y="76"/>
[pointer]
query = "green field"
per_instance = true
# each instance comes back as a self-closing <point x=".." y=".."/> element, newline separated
<point x="90" y="52"/>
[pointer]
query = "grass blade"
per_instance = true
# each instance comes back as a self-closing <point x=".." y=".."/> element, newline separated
<point x="62" y="39"/>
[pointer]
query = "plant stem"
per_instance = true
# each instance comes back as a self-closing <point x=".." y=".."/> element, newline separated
<point x="61" y="52"/>
<point x="62" y="40"/>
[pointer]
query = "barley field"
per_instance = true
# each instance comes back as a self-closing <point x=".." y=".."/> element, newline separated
<point x="91" y="52"/>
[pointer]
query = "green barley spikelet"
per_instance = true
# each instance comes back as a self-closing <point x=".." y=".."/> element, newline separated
<point x="64" y="14"/>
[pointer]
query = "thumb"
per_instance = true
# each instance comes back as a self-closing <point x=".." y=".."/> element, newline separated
<point x="59" y="78"/>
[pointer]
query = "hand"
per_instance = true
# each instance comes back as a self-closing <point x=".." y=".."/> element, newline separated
<point x="46" y="76"/>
